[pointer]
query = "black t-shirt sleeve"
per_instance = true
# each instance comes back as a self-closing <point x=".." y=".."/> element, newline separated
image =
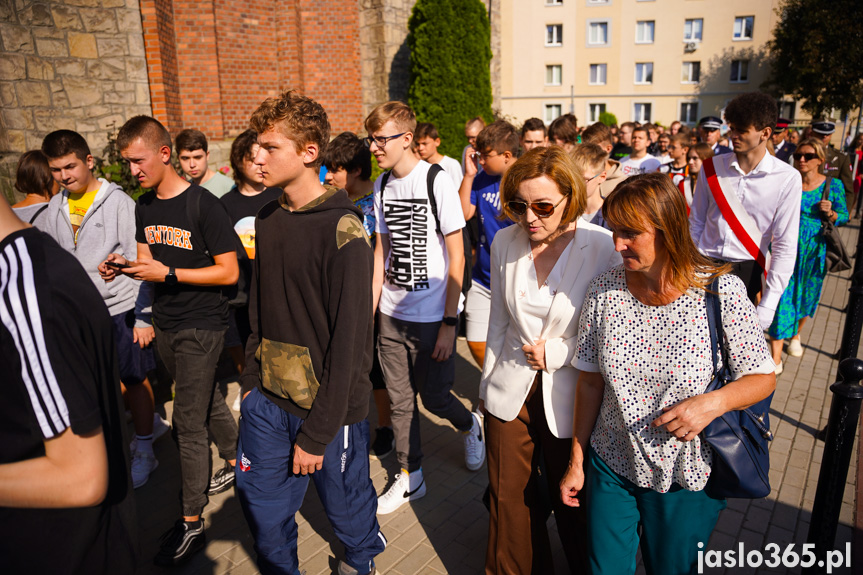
<point x="216" y="227"/>
<point x="58" y="348"/>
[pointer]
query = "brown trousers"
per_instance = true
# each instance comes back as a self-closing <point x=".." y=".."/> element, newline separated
<point x="518" y="541"/>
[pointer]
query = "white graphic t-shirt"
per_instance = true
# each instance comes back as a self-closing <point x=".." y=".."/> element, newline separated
<point x="453" y="169"/>
<point x="416" y="270"/>
<point x="631" y="167"/>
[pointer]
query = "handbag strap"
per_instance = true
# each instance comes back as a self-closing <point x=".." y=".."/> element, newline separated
<point x="826" y="193"/>
<point x="714" y="324"/>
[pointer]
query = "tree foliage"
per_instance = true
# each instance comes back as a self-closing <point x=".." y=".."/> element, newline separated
<point x="608" y="119"/>
<point x="817" y="54"/>
<point x="450" y="79"/>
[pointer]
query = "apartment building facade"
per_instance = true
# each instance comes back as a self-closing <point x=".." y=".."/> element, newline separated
<point x="644" y="60"/>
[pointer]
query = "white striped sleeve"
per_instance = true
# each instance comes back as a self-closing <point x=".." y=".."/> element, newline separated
<point x="21" y="316"/>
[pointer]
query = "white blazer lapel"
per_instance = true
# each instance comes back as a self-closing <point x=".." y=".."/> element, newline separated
<point x="517" y="273"/>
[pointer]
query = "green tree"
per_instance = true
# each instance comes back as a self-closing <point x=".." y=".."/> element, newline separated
<point x="608" y="119"/>
<point x="450" y="80"/>
<point x="817" y="54"/>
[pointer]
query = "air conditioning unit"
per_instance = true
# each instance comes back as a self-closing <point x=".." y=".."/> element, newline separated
<point x="690" y="47"/>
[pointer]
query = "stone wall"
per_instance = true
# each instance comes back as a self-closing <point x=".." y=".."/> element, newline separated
<point x="385" y="55"/>
<point x="77" y="64"/>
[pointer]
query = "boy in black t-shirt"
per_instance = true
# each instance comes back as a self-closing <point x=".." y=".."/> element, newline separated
<point x="243" y="202"/>
<point x="65" y="504"/>
<point x="186" y="247"/>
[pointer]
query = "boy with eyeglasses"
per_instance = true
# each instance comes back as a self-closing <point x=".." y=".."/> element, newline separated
<point x="419" y="265"/>
<point x="590" y="159"/>
<point x="497" y="149"/>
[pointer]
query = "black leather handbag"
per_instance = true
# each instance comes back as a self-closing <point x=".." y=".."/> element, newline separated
<point x="739" y="438"/>
<point x="837" y="256"/>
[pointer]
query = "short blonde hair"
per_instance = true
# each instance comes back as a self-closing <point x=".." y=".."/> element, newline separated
<point x="555" y="164"/>
<point x="299" y="118"/>
<point x="816" y="145"/>
<point x="400" y="113"/>
<point x="589" y="157"/>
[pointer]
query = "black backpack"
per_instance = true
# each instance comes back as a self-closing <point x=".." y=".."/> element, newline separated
<point x="237" y="294"/>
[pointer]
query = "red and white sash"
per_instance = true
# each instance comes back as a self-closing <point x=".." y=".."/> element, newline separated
<point x="741" y="223"/>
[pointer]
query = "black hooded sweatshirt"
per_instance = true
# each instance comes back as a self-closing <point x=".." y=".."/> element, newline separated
<point x="311" y="315"/>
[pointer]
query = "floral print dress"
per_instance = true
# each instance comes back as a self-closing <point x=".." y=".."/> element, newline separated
<point x="800" y="299"/>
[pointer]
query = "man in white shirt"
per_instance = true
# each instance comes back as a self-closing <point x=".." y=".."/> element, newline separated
<point x="639" y="161"/>
<point x="418" y="273"/>
<point x="769" y="192"/>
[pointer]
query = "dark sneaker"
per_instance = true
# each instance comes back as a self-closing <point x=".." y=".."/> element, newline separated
<point x="222" y="480"/>
<point x="384" y="443"/>
<point x="180" y="542"/>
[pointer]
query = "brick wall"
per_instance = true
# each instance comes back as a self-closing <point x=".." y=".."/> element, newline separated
<point x="230" y="56"/>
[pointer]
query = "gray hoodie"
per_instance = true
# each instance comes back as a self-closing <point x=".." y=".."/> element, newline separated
<point x="108" y="227"/>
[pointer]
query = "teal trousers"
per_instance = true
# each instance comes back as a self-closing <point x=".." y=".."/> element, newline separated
<point x="672" y="524"/>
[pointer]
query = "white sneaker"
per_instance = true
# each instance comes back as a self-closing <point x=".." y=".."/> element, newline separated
<point x="143" y="465"/>
<point x="795" y="349"/>
<point x="779" y="368"/>
<point x="400" y="492"/>
<point x="474" y="444"/>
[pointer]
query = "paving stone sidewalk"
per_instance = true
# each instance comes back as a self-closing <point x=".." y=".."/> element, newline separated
<point x="446" y="531"/>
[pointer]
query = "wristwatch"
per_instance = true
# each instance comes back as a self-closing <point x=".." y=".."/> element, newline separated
<point x="452" y="321"/>
<point x="171" y="278"/>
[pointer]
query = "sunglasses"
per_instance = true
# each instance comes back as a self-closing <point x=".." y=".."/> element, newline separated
<point x="808" y="156"/>
<point x="541" y="209"/>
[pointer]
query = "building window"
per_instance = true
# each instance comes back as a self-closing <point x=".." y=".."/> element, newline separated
<point x="743" y="27"/>
<point x="644" y="32"/>
<point x="554" y="2"/>
<point x="688" y="112"/>
<point x="597" y="33"/>
<point x="692" y="30"/>
<point x="553" y="74"/>
<point x="597" y="2"/>
<point x="739" y="71"/>
<point x="598" y="74"/>
<point x="786" y="109"/>
<point x="593" y="112"/>
<point x="552" y="112"/>
<point x="641" y="112"/>
<point x="644" y="73"/>
<point x="691" y="73"/>
<point x="554" y="35"/>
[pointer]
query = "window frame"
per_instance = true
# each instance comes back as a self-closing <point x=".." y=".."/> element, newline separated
<point x="695" y="116"/>
<point x="599" y="66"/>
<point x="700" y="31"/>
<point x="652" y="27"/>
<point x="549" y="28"/>
<point x="692" y="65"/>
<point x="551" y="67"/>
<point x="545" y="108"/>
<point x="589" y="110"/>
<point x="738" y="80"/>
<point x="635" y="117"/>
<point x="643" y="82"/>
<point x="598" y="21"/>
<point x="743" y="37"/>
<point x="554" y="2"/>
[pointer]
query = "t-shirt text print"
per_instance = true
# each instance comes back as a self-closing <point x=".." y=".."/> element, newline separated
<point x="408" y="221"/>
<point x="168" y="235"/>
<point x="417" y="263"/>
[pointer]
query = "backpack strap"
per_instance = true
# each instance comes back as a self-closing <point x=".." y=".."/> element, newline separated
<point x="36" y="215"/>
<point x="193" y="214"/>
<point x="434" y="170"/>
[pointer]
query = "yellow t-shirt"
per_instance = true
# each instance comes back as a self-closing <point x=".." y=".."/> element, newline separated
<point x="78" y="206"/>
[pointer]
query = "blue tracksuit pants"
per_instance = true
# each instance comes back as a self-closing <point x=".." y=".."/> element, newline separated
<point x="271" y="494"/>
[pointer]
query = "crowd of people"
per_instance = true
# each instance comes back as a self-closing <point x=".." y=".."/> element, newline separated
<point x="575" y="261"/>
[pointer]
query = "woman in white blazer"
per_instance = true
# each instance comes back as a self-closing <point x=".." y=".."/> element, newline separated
<point x="540" y="270"/>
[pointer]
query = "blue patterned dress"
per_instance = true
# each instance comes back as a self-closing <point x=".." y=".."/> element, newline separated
<point x="800" y="298"/>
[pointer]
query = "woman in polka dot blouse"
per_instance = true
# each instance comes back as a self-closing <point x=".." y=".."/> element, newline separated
<point x="644" y="355"/>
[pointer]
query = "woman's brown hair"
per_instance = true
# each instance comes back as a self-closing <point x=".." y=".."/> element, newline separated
<point x="555" y="164"/>
<point x="652" y="200"/>
<point x="33" y="175"/>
